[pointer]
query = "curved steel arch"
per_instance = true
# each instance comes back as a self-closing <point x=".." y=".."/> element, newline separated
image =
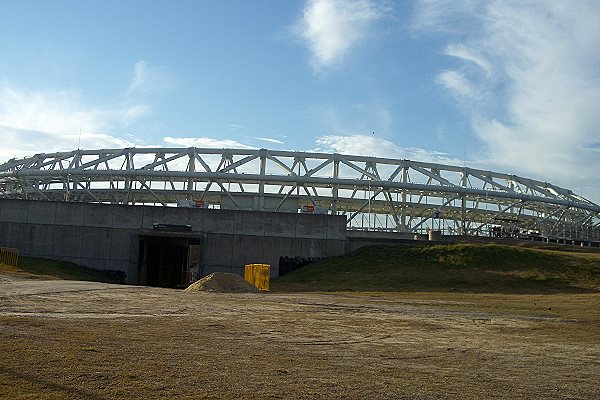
<point x="374" y="193"/>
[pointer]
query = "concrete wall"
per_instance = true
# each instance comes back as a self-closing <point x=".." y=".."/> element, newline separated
<point x="106" y="236"/>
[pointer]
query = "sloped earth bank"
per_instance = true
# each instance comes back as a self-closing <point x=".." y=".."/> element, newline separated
<point x="110" y="342"/>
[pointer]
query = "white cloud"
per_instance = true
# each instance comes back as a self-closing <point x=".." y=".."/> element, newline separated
<point x="148" y="78"/>
<point x="331" y="28"/>
<point x="444" y="16"/>
<point x="372" y="146"/>
<point x="52" y="112"/>
<point x="358" y="118"/>
<point x="35" y="122"/>
<point x="26" y="142"/>
<point x="541" y="107"/>
<point x="49" y="121"/>
<point x="140" y="75"/>
<point x="463" y="52"/>
<point x="135" y="112"/>
<point x="456" y="83"/>
<point x="270" y="140"/>
<point x="206" y="142"/>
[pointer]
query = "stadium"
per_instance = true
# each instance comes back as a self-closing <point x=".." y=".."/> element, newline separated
<point x="405" y="197"/>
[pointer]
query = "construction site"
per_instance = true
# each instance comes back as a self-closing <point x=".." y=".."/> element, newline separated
<point x="132" y="209"/>
<point x="183" y="273"/>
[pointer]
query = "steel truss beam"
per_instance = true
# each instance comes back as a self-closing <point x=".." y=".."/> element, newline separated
<point x="394" y="195"/>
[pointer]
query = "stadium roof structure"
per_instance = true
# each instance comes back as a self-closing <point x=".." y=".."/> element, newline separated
<point x="376" y="194"/>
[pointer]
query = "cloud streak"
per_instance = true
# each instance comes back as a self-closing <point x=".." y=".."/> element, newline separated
<point x="140" y="75"/>
<point x="537" y="110"/>
<point x="332" y="28"/>
<point x="462" y="52"/>
<point x="376" y="147"/>
<point x="456" y="82"/>
<point x="205" y="142"/>
<point x="148" y="78"/>
<point x="270" y="140"/>
<point x="134" y="112"/>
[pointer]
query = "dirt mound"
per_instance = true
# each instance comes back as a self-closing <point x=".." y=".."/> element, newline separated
<point x="221" y="282"/>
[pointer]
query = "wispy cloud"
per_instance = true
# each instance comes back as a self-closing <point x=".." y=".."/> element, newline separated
<point x="456" y="83"/>
<point x="26" y="142"/>
<point x="371" y="145"/>
<point x="332" y="28"/>
<point x="52" y="112"/>
<point x="235" y="126"/>
<point x="134" y="112"/>
<point x="148" y="78"/>
<point x="356" y="119"/>
<point x="444" y="16"/>
<point x="47" y="121"/>
<point x="462" y="52"/>
<point x="542" y="96"/>
<point x="270" y="140"/>
<point x="33" y="122"/>
<point x="205" y="142"/>
<point x="140" y="75"/>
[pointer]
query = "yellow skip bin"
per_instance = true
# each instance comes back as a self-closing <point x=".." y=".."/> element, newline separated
<point x="259" y="275"/>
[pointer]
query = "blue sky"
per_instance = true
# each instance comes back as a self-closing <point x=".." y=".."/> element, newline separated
<point x="514" y="83"/>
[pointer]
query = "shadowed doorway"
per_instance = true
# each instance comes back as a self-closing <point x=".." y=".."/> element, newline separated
<point x="168" y="261"/>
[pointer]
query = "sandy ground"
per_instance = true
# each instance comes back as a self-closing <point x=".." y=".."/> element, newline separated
<point x="82" y="340"/>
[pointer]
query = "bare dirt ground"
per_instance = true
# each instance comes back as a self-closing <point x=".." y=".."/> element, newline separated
<point x="73" y="340"/>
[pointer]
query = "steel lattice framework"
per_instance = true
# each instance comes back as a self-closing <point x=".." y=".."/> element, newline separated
<point x="374" y="193"/>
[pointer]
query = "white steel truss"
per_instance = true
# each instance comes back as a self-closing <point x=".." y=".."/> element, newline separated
<point x="374" y="193"/>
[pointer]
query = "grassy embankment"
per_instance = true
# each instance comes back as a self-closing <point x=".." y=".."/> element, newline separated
<point x="459" y="268"/>
<point x="462" y="268"/>
<point x="42" y="268"/>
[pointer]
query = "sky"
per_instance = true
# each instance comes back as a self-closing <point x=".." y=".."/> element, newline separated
<point x="507" y="86"/>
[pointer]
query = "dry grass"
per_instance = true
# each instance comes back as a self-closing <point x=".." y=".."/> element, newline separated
<point x="159" y="343"/>
<point x="516" y="326"/>
<point x="43" y="268"/>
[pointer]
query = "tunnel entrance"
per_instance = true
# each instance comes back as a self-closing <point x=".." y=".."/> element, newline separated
<point x="168" y="261"/>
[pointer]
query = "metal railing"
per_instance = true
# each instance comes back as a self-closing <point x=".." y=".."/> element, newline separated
<point x="9" y="256"/>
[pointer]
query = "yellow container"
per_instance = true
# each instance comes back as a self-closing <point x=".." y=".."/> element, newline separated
<point x="259" y="275"/>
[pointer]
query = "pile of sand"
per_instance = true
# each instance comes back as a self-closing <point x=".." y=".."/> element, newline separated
<point x="221" y="282"/>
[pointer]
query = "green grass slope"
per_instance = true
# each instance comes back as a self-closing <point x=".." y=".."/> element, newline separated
<point x="460" y="267"/>
<point x="42" y="268"/>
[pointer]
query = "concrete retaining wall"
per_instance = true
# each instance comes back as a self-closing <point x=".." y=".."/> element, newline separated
<point x="106" y="236"/>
